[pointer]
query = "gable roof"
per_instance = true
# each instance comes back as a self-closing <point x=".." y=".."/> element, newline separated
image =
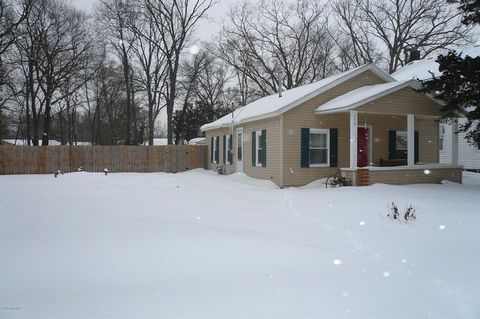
<point x="420" y="69"/>
<point x="274" y="105"/>
<point x="363" y="95"/>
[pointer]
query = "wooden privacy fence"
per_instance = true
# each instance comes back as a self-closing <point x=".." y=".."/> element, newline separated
<point x="49" y="159"/>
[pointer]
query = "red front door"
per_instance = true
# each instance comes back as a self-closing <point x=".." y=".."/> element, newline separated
<point x="362" y="147"/>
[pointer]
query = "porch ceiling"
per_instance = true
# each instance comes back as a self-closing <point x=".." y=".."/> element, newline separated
<point x="370" y="94"/>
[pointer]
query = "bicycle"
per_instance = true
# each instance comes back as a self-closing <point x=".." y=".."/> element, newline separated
<point x="337" y="180"/>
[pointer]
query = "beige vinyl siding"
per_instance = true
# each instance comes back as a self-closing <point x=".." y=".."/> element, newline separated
<point x="229" y="168"/>
<point x="428" y="140"/>
<point x="303" y="116"/>
<point x="382" y="124"/>
<point x="415" y="176"/>
<point x="272" y="170"/>
<point x="394" y="106"/>
<point x="404" y="101"/>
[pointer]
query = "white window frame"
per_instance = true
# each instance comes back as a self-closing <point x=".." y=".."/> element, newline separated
<point x="441" y="137"/>
<point x="227" y="147"/>
<point x="320" y="131"/>
<point x="258" y="137"/>
<point x="215" y="148"/>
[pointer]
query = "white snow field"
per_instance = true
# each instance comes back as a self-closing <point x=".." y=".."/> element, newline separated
<point x="200" y="245"/>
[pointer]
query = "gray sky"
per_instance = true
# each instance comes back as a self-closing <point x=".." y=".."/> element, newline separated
<point x="205" y="30"/>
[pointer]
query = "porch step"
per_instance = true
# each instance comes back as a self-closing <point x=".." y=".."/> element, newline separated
<point x="363" y="177"/>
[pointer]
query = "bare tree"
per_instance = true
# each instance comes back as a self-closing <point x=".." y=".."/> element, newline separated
<point x="352" y="37"/>
<point x="212" y="79"/>
<point x="151" y="65"/>
<point x="64" y="45"/>
<point x="277" y="36"/>
<point x="12" y="14"/>
<point x="399" y="27"/>
<point x="115" y="16"/>
<point x="175" y="21"/>
<point x="105" y="104"/>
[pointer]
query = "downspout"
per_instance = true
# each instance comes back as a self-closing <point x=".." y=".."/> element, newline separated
<point x="281" y="151"/>
<point x="234" y="167"/>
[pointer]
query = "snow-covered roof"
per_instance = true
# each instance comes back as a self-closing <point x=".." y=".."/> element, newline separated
<point x="197" y="140"/>
<point x="274" y="105"/>
<point x="158" y="141"/>
<point x="420" y="69"/>
<point x="362" y="95"/>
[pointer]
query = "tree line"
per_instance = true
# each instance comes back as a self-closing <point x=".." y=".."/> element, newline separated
<point x="116" y="75"/>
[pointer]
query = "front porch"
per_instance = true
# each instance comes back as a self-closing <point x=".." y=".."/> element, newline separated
<point x="403" y="165"/>
<point x="393" y="136"/>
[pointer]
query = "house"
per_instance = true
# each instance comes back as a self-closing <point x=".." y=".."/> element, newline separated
<point x="468" y="155"/>
<point x="358" y="121"/>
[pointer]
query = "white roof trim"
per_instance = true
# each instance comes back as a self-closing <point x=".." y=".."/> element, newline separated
<point x="372" y="67"/>
<point x="401" y="85"/>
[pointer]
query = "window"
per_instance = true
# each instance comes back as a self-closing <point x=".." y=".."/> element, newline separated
<point x="228" y="149"/>
<point x="401" y="145"/>
<point x="239" y="146"/>
<point x="441" y="137"/>
<point x="215" y="150"/>
<point x="319" y="147"/>
<point x="260" y="147"/>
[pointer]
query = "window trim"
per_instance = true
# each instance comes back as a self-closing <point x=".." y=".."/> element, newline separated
<point x="327" y="133"/>
<point x="258" y="139"/>
<point x="441" y="137"/>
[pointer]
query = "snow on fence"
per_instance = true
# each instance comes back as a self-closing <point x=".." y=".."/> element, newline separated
<point x="49" y="159"/>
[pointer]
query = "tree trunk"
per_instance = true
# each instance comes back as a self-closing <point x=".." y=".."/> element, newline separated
<point x="126" y="77"/>
<point x="151" y="122"/>
<point x="35" y="117"/>
<point x="47" y="120"/>
<point x="62" y="131"/>
<point x="27" y="105"/>
<point x="171" y="104"/>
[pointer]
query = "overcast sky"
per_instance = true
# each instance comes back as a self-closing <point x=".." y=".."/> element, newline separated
<point x="205" y="30"/>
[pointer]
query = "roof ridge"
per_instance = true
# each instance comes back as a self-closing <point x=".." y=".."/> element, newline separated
<point x="270" y="106"/>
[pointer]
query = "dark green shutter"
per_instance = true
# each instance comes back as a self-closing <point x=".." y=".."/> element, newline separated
<point x="392" y="144"/>
<point x="211" y="149"/>
<point x="264" y="148"/>
<point x="305" y="147"/>
<point x="333" y="147"/>
<point x="230" y="146"/>
<point x="254" y="143"/>
<point x="217" y="150"/>
<point x="224" y="149"/>
<point x="416" y="148"/>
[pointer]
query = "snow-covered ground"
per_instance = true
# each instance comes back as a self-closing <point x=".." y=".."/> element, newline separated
<point x="50" y="142"/>
<point x="199" y="245"/>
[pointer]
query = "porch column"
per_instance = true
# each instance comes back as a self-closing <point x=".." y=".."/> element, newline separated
<point x="454" y="141"/>
<point x="353" y="138"/>
<point x="410" y="139"/>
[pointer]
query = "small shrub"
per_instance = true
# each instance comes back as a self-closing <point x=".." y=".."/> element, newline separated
<point x="408" y="216"/>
